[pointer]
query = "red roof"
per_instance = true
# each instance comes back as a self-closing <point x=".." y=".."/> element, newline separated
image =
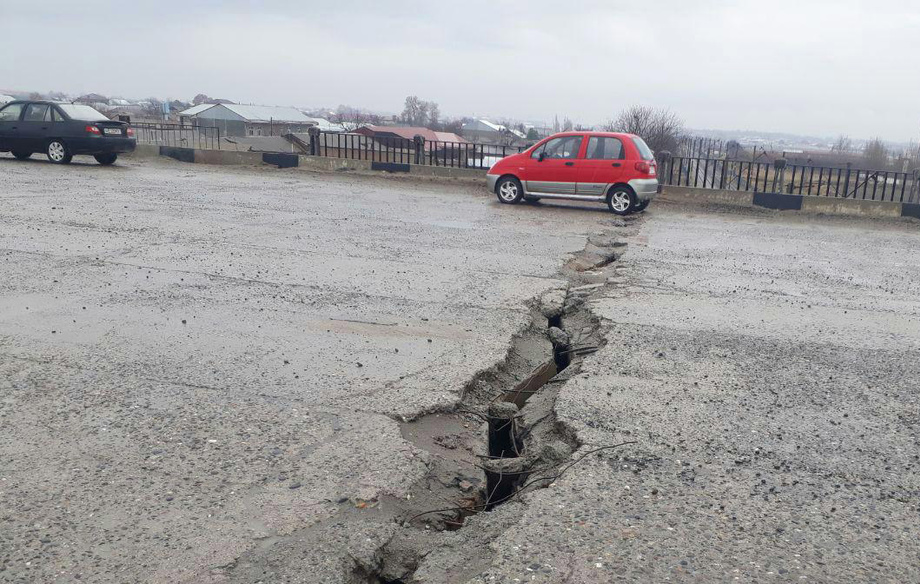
<point x="409" y="132"/>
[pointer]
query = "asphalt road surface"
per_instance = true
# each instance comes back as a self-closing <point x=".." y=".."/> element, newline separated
<point x="198" y="362"/>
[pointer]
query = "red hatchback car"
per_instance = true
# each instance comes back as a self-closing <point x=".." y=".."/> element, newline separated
<point x="601" y="167"/>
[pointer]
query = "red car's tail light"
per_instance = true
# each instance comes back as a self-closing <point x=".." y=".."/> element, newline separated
<point x="643" y="167"/>
<point x="93" y="130"/>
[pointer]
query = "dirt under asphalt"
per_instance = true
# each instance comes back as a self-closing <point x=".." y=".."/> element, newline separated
<point x="207" y="375"/>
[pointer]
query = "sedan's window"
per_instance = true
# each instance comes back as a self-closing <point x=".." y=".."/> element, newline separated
<point x="56" y="115"/>
<point x="564" y="147"/>
<point x="35" y="112"/>
<point x="604" y="148"/>
<point x="83" y="113"/>
<point x="11" y="112"/>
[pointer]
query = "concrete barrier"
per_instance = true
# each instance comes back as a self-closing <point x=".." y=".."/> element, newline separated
<point x="322" y="163"/>
<point x="228" y="157"/>
<point x="145" y="151"/>
<point x="786" y="202"/>
<point x="714" y="196"/>
<point x="852" y="207"/>
<point x="672" y="194"/>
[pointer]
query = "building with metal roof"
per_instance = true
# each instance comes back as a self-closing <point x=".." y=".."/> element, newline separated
<point x="408" y="133"/>
<point x="486" y="131"/>
<point x="248" y="120"/>
<point x="195" y="110"/>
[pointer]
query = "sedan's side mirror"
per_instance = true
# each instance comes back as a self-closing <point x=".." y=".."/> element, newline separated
<point x="541" y="157"/>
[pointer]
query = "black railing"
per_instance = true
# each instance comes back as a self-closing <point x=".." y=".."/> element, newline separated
<point x="399" y="150"/>
<point x="796" y="179"/>
<point x="183" y="136"/>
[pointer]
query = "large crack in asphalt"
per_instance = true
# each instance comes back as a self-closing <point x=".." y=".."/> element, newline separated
<point x="503" y="432"/>
<point x="481" y="452"/>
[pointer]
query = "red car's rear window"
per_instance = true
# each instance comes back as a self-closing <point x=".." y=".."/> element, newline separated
<point x="644" y="151"/>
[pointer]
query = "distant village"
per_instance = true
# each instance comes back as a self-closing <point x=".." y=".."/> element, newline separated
<point x="237" y="120"/>
<point x="274" y="128"/>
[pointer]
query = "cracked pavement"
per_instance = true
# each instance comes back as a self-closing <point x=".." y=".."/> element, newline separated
<point x="196" y="361"/>
<point x="199" y="364"/>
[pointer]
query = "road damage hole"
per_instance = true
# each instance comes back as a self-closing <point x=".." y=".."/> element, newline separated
<point x="503" y="443"/>
<point x="503" y="439"/>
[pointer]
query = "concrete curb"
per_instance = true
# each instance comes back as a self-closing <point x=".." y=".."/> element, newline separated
<point x="315" y="163"/>
<point x="784" y="202"/>
<point x="672" y="194"/>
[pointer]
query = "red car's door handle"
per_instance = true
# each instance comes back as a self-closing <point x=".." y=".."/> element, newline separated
<point x="616" y="164"/>
<point x="570" y="164"/>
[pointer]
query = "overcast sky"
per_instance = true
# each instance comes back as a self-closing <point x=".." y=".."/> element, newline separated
<point x="804" y="66"/>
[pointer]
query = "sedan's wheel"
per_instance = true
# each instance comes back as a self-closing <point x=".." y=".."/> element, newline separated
<point x="21" y="155"/>
<point x="509" y="190"/>
<point x="106" y="159"/>
<point x="621" y="200"/>
<point x="57" y="152"/>
<point x="641" y="205"/>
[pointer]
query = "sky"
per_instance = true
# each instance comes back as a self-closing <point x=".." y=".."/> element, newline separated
<point x="811" y="67"/>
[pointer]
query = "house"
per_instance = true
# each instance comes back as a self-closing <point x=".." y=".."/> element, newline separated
<point x="540" y="131"/>
<point x="248" y="120"/>
<point x="486" y="132"/>
<point x="407" y="133"/>
<point x="325" y="125"/>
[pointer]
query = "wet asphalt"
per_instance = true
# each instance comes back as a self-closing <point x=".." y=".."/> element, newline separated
<point x="197" y="362"/>
<point x="766" y="365"/>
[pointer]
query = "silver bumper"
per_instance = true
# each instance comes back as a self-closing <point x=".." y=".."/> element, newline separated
<point x="645" y="188"/>
<point x="492" y="179"/>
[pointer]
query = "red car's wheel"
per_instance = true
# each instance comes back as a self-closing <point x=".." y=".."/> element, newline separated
<point x="509" y="190"/>
<point x="621" y="200"/>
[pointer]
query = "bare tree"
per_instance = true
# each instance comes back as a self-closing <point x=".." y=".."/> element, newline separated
<point x="842" y="145"/>
<point x="506" y="137"/>
<point x="567" y="124"/>
<point x="418" y="112"/>
<point x="154" y="107"/>
<point x="875" y="154"/>
<point x="733" y="149"/>
<point x="352" y="118"/>
<point x="660" y="128"/>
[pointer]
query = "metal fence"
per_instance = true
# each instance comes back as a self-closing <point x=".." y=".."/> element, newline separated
<point x="398" y="150"/>
<point x="184" y="136"/>
<point x="796" y="179"/>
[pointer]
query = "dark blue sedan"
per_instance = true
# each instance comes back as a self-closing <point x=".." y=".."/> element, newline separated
<point x="62" y="130"/>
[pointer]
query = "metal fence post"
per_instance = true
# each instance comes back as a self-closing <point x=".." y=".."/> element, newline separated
<point x="663" y="158"/>
<point x="419" y="141"/>
<point x="779" y="173"/>
<point x="846" y="182"/>
<point x="915" y="188"/>
<point x="313" y="132"/>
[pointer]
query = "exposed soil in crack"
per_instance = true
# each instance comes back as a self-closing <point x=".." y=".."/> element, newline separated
<point x="503" y="431"/>
<point x="505" y="427"/>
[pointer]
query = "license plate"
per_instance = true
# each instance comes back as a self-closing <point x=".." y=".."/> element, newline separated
<point x="113" y="131"/>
